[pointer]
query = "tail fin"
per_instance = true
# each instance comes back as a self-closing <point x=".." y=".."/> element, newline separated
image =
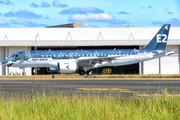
<point x="160" y="39"/>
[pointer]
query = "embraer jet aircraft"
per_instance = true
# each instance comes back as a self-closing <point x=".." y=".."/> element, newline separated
<point x="83" y="61"/>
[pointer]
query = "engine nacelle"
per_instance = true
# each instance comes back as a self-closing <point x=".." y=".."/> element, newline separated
<point x="67" y="67"/>
<point x="52" y="70"/>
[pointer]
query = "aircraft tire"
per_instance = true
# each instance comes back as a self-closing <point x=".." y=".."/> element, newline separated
<point x="24" y="74"/>
<point x="90" y="72"/>
<point x="82" y="72"/>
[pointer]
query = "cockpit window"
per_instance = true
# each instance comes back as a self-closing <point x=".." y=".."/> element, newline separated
<point x="16" y="56"/>
<point x="12" y="55"/>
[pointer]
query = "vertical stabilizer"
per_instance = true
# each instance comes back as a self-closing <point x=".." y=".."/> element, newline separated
<point x="160" y="39"/>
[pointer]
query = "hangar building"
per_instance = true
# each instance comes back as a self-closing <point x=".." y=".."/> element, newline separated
<point x="19" y="39"/>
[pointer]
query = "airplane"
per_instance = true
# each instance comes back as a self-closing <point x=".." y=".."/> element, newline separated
<point x="83" y="61"/>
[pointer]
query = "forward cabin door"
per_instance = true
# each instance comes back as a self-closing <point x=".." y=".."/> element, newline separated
<point x="27" y="56"/>
<point x="137" y="54"/>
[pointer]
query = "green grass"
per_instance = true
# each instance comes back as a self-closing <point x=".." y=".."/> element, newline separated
<point x="90" y="107"/>
<point x="95" y="76"/>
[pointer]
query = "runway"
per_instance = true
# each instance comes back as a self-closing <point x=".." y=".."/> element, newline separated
<point x="124" y="87"/>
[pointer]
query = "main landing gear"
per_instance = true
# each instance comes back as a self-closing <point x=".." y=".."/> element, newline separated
<point x="89" y="72"/>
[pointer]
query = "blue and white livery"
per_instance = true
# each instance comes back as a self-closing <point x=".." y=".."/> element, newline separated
<point x="83" y="61"/>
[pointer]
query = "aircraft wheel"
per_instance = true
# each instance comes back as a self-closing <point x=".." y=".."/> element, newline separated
<point x="24" y="74"/>
<point x="90" y="72"/>
<point x="82" y="72"/>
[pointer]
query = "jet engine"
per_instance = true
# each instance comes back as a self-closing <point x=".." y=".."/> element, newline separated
<point x="69" y="67"/>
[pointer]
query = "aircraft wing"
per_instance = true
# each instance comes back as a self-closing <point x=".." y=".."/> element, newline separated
<point x="93" y="60"/>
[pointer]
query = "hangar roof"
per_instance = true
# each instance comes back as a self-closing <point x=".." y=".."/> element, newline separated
<point x="83" y="36"/>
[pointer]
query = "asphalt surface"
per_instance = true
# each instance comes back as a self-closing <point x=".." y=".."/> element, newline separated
<point x="124" y="87"/>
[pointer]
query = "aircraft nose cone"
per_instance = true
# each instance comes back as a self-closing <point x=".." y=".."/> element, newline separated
<point x="5" y="62"/>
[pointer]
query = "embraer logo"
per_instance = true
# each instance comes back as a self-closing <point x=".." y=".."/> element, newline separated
<point x="159" y="38"/>
<point x="166" y="27"/>
<point x="67" y="67"/>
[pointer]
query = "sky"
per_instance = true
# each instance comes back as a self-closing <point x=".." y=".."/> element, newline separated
<point x="92" y="13"/>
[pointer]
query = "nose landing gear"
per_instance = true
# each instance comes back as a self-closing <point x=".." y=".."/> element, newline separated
<point x="23" y="73"/>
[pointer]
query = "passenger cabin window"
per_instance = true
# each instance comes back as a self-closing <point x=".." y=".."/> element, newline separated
<point x="104" y="54"/>
<point x="46" y="55"/>
<point x="54" y="55"/>
<point x="50" y="55"/>
<point x="62" y="55"/>
<point x="75" y="55"/>
<point x="90" y="54"/>
<point x="38" y="55"/>
<point x="79" y="55"/>
<point x="101" y="54"/>
<point x="34" y="55"/>
<point x="66" y="55"/>
<point x="58" y="55"/>
<point x="42" y="55"/>
<point x="82" y="55"/>
<point x="87" y="55"/>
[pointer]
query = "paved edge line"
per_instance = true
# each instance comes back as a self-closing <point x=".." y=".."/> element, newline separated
<point x="90" y="79"/>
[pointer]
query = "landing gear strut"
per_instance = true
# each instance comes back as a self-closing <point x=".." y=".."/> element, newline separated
<point x="24" y="73"/>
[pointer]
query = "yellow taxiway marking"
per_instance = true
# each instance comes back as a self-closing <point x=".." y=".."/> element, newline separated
<point x="128" y="91"/>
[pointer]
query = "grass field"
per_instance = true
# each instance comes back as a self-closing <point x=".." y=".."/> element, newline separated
<point x="96" y="76"/>
<point x="90" y="107"/>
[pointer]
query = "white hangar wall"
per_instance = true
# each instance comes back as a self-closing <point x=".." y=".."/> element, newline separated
<point x="164" y="65"/>
<point x="19" y="39"/>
